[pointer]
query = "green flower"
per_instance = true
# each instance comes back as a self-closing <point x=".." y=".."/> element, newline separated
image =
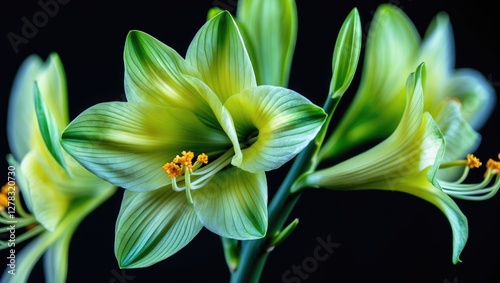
<point x="58" y="191"/>
<point x="208" y="105"/>
<point x="408" y="161"/>
<point x="460" y="100"/>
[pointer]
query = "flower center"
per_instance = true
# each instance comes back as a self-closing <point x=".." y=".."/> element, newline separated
<point x="188" y="176"/>
<point x="480" y="191"/>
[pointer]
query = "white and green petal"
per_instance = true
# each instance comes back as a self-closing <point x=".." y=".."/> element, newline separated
<point x="460" y="137"/>
<point x="273" y="125"/>
<point x="152" y="226"/>
<point x="270" y="31"/>
<point x="234" y="204"/>
<point x="47" y="202"/>
<point x="475" y="93"/>
<point x="127" y="143"/>
<point x="218" y="53"/>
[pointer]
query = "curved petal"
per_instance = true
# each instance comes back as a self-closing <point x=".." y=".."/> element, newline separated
<point x="475" y="93"/>
<point x="270" y="32"/>
<point x="51" y="82"/>
<point x="448" y="207"/>
<point x="459" y="135"/>
<point x="48" y="128"/>
<point x="438" y="53"/>
<point x="234" y="204"/>
<point x="152" y="226"/>
<point x="154" y="73"/>
<point x="48" y="203"/>
<point x="127" y="143"/>
<point x="416" y="145"/>
<point x="283" y="121"/>
<point x="218" y="53"/>
<point x="222" y="115"/>
<point x="20" y="112"/>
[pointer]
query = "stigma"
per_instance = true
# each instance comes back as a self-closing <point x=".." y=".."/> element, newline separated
<point x="473" y="191"/>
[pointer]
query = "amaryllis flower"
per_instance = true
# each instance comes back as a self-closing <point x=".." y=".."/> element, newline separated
<point x="409" y="161"/>
<point x="192" y="143"/>
<point x="58" y="192"/>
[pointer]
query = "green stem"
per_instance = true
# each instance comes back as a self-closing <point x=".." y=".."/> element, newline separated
<point x="254" y="253"/>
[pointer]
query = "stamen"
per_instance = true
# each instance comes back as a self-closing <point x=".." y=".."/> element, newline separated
<point x="181" y="168"/>
<point x="12" y="211"/>
<point x="172" y="169"/>
<point x="473" y="162"/>
<point x="479" y="191"/>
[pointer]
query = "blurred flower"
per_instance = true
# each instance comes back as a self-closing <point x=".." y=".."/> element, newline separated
<point x="408" y="161"/>
<point x="460" y="100"/>
<point x="206" y="105"/>
<point x="58" y="192"/>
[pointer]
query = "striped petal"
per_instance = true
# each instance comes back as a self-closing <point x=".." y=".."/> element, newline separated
<point x="154" y="73"/>
<point x="152" y="226"/>
<point x="49" y="205"/>
<point x="127" y="143"/>
<point x="270" y="32"/>
<point x="281" y="121"/>
<point x="218" y="53"/>
<point x="234" y="204"/>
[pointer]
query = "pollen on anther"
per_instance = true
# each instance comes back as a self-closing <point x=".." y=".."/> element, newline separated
<point x="202" y="158"/>
<point x="454" y="99"/>
<point x="473" y="162"/>
<point x="493" y="165"/>
<point x="185" y="160"/>
<point x="4" y="202"/>
<point x="172" y="169"/>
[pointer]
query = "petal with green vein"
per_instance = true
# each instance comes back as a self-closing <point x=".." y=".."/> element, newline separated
<point x="48" y="128"/>
<point x="154" y="73"/>
<point x="127" y="143"/>
<point x="281" y="121"/>
<point x="218" y="53"/>
<point x="48" y="203"/>
<point x="152" y="226"/>
<point x="270" y="32"/>
<point x="234" y="204"/>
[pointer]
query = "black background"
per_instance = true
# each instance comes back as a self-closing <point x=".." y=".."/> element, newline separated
<point x="383" y="237"/>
